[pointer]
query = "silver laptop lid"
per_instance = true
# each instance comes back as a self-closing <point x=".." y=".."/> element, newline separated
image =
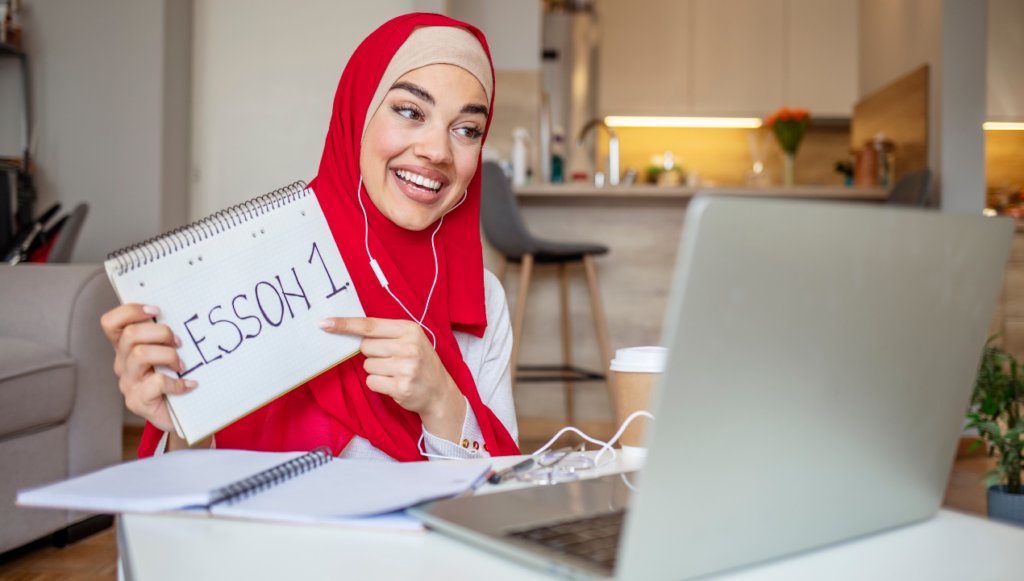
<point x="821" y="361"/>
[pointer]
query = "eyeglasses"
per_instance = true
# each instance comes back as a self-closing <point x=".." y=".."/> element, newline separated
<point x="558" y="466"/>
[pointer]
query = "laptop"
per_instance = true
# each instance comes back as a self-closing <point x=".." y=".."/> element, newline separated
<point x="821" y="359"/>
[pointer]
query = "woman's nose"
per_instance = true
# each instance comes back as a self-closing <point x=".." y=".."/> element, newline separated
<point x="434" y="145"/>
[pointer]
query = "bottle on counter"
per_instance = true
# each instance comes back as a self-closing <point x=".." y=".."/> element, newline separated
<point x="558" y="156"/>
<point x="865" y="167"/>
<point x="885" y="149"/>
<point x="519" y="137"/>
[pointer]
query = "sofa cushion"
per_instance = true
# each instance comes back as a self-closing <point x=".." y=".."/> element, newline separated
<point x="37" y="385"/>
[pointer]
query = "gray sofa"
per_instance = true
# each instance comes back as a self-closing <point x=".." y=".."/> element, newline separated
<point x="60" y="408"/>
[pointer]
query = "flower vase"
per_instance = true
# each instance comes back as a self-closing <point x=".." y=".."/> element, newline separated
<point x="789" y="180"/>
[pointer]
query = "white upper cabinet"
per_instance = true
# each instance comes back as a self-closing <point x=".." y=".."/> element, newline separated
<point x="644" y="57"/>
<point x="727" y="57"/>
<point x="821" y="56"/>
<point x="1005" y="60"/>
<point x="738" y="62"/>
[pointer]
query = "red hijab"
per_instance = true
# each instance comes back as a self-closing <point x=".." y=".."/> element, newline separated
<point x="332" y="408"/>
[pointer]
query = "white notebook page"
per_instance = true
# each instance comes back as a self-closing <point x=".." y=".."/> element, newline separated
<point x="344" y="489"/>
<point x="245" y="303"/>
<point x="182" y="479"/>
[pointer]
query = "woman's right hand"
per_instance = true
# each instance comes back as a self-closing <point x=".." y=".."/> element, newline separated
<point x="140" y="344"/>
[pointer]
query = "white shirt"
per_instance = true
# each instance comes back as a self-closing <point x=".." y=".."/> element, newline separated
<point x="488" y="359"/>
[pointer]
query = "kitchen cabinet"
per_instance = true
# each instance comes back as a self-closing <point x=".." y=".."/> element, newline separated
<point x="727" y="57"/>
<point x="1005" y="68"/>
<point x="821" y="56"/>
<point x="738" y="57"/>
<point x="644" y="63"/>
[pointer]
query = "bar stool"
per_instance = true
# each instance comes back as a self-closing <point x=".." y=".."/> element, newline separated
<point x="504" y="229"/>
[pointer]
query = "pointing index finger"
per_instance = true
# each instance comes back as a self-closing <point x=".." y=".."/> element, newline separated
<point x="364" y="327"/>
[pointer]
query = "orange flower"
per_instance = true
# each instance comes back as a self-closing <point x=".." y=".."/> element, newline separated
<point x="800" y="114"/>
<point x="785" y="114"/>
<point x="770" y="121"/>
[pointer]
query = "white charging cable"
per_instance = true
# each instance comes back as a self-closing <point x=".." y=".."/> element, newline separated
<point x="380" y="273"/>
<point x="605" y="446"/>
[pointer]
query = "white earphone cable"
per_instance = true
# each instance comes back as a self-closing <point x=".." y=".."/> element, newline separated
<point x="434" y="251"/>
<point x="380" y="274"/>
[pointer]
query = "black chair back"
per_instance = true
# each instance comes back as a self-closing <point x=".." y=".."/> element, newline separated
<point x="64" y="247"/>
<point x="911" y="189"/>
<point x="499" y="215"/>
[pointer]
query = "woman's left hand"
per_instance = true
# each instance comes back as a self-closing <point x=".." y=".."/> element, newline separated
<point x="402" y="363"/>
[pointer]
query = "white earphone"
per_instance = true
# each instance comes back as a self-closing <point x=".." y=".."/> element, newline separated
<point x="380" y="273"/>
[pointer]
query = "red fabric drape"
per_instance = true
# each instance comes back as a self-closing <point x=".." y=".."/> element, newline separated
<point x="333" y="407"/>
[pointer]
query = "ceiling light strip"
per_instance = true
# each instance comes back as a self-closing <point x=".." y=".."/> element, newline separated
<point x="996" y="126"/>
<point x="717" y="122"/>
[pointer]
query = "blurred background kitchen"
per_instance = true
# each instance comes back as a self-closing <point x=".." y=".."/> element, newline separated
<point x="609" y="116"/>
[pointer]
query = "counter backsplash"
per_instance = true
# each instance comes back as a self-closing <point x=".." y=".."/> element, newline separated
<point x="723" y="156"/>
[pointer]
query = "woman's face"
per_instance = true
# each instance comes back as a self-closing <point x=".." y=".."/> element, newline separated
<point x="421" y="147"/>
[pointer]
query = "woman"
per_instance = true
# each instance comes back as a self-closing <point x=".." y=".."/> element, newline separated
<point x="399" y="183"/>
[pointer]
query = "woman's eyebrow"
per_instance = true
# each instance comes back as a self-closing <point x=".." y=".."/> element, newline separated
<point x="474" y="108"/>
<point x="415" y="90"/>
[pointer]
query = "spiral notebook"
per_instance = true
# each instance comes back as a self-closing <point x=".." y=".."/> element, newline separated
<point x="311" y="487"/>
<point x="244" y="290"/>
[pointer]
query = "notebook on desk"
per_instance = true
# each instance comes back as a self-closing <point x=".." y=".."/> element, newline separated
<point x="311" y="487"/>
<point x="244" y="289"/>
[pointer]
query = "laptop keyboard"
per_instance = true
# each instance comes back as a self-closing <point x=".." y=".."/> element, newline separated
<point x="595" y="539"/>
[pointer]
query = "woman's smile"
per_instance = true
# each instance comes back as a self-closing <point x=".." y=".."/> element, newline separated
<point x="420" y="184"/>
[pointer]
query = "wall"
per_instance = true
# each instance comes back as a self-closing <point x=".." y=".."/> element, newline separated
<point x="962" y="169"/>
<point x="513" y="31"/>
<point x="106" y="80"/>
<point x="264" y="82"/>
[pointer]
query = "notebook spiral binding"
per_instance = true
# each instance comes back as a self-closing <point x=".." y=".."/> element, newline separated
<point x="137" y="255"/>
<point x="272" y="477"/>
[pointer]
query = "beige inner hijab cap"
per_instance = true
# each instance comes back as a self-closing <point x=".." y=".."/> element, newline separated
<point x="434" y="45"/>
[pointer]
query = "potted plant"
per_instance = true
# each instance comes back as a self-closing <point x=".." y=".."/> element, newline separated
<point x="996" y="413"/>
<point x="789" y="127"/>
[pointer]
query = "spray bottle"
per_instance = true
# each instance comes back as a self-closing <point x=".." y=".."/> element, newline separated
<point x="519" y="137"/>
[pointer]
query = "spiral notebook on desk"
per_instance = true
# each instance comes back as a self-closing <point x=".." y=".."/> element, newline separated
<point x="311" y="487"/>
<point x="244" y="290"/>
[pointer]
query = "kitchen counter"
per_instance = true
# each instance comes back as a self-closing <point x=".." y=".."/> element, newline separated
<point x="574" y="193"/>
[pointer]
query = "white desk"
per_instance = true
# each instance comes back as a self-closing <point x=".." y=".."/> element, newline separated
<point x="951" y="546"/>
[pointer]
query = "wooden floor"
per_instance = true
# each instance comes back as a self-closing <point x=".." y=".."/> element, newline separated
<point x="95" y="558"/>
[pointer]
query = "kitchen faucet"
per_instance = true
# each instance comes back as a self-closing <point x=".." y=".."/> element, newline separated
<point x="613" y="148"/>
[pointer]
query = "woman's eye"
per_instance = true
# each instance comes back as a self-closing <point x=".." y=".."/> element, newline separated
<point x="408" y="113"/>
<point x="469" y="132"/>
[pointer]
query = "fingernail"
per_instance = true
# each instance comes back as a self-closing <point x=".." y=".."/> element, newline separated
<point x="177" y="341"/>
<point x="190" y="383"/>
<point x="326" y="324"/>
<point x="151" y="310"/>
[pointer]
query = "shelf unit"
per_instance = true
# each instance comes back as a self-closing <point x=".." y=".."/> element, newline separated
<point x="17" y="192"/>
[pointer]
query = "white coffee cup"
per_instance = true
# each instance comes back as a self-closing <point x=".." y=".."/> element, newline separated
<point x="635" y="369"/>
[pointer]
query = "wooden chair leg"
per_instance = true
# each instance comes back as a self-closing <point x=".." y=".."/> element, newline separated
<point x="563" y="280"/>
<point x="502" y="265"/>
<point x="520" y="313"/>
<point x="602" y="327"/>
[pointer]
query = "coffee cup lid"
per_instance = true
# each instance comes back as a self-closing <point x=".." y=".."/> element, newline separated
<point x="640" y="360"/>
